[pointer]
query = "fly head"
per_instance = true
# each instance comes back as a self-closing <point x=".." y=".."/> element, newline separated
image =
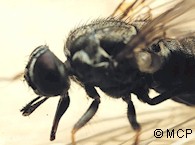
<point x="46" y="74"/>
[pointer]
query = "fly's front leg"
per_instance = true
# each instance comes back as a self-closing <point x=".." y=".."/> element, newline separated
<point x="61" y="109"/>
<point x="131" y="114"/>
<point x="89" y="113"/>
<point x="32" y="105"/>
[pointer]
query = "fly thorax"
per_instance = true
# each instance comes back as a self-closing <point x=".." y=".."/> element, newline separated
<point x="91" y="53"/>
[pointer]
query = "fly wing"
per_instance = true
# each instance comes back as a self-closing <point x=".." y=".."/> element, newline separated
<point x="162" y="19"/>
<point x="133" y="10"/>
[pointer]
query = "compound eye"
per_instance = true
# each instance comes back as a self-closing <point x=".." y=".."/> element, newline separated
<point x="46" y="74"/>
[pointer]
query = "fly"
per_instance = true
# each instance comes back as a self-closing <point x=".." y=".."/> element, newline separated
<point x="141" y="46"/>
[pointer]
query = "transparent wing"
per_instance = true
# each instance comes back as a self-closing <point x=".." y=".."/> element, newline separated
<point x="161" y="19"/>
<point x="132" y="10"/>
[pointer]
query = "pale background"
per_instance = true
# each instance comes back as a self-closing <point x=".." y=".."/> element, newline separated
<point x="26" y="24"/>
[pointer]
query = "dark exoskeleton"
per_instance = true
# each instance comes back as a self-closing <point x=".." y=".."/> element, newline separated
<point x="167" y="66"/>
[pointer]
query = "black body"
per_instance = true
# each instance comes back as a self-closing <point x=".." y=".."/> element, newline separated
<point x="120" y="78"/>
<point x="92" y="51"/>
<point x="92" y="58"/>
<point x="178" y="71"/>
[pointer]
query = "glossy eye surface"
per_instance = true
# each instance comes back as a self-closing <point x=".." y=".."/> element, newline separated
<point x="45" y="73"/>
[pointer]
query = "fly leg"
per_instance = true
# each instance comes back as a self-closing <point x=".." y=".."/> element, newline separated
<point x="61" y="109"/>
<point x="162" y="97"/>
<point x="131" y="114"/>
<point x="89" y="113"/>
<point x="32" y="106"/>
